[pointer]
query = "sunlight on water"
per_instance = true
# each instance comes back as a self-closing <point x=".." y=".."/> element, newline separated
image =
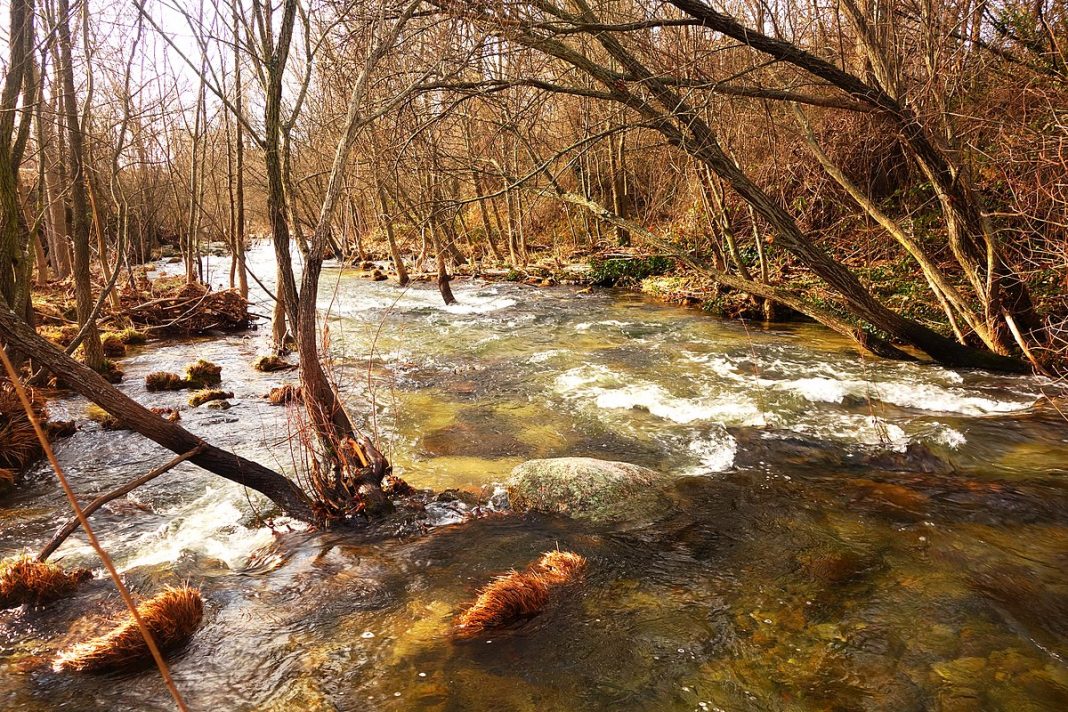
<point x="836" y="532"/>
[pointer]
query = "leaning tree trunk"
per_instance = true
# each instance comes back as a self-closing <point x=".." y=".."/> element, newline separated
<point x="87" y="382"/>
<point x="83" y="290"/>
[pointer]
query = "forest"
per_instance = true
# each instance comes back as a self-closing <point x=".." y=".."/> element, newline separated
<point x="566" y="354"/>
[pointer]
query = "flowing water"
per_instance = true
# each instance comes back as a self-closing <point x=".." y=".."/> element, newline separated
<point x="841" y="533"/>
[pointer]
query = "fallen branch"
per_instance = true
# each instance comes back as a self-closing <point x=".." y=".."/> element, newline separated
<point x="72" y="524"/>
<point x="90" y="384"/>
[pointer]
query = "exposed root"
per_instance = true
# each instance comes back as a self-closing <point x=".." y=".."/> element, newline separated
<point x="285" y="394"/>
<point x="172" y="617"/>
<point x="170" y="414"/>
<point x="203" y="396"/>
<point x="396" y="487"/>
<point x="24" y="580"/>
<point x="517" y="595"/>
<point x="166" y="381"/>
<point x="203" y="374"/>
<point x="269" y="364"/>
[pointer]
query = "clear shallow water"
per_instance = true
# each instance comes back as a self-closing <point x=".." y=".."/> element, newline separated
<point x="810" y="559"/>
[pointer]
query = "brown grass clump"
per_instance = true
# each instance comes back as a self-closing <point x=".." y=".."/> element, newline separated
<point x="517" y="595"/>
<point x="24" y="580"/>
<point x="203" y="373"/>
<point x="285" y="394"/>
<point x="172" y="617"/>
<point x="269" y="364"/>
<point x="113" y="344"/>
<point x="208" y="394"/>
<point x="165" y="381"/>
<point x="19" y="446"/>
<point x="170" y="414"/>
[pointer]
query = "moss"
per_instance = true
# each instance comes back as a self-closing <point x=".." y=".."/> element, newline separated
<point x="107" y="420"/>
<point x="112" y="344"/>
<point x="166" y="381"/>
<point x="269" y="364"/>
<point x="203" y="373"/>
<point x="132" y="337"/>
<point x="209" y="394"/>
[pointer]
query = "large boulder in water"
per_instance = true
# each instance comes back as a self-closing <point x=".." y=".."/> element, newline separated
<point x="587" y="488"/>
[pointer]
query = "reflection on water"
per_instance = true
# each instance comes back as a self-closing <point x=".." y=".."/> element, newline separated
<point x="843" y="533"/>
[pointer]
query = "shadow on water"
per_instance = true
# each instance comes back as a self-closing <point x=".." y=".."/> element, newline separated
<point x="837" y="534"/>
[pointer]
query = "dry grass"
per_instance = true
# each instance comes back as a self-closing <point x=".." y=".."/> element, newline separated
<point x="203" y="373"/>
<point x="172" y="617"/>
<point x="269" y="364"/>
<point x="285" y="394"/>
<point x="170" y="414"/>
<point x="517" y="595"/>
<point x="24" y="580"/>
<point x="19" y="446"/>
<point x="209" y="394"/>
<point x="165" y="381"/>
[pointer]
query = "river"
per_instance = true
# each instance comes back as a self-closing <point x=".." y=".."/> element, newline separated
<point x="843" y="533"/>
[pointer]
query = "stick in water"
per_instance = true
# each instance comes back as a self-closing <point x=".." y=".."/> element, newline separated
<point x="127" y="599"/>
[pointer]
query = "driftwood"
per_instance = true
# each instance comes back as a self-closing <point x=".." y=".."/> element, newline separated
<point x="72" y="524"/>
<point x="192" y="309"/>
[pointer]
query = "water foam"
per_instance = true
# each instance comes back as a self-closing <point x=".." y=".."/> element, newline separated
<point x="209" y="525"/>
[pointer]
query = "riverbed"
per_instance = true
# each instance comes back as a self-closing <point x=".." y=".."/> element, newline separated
<point x="841" y="533"/>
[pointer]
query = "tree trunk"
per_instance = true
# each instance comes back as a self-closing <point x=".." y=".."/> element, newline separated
<point x="172" y="436"/>
<point x="83" y="289"/>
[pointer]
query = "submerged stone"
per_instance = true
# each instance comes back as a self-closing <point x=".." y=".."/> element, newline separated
<point x="587" y="488"/>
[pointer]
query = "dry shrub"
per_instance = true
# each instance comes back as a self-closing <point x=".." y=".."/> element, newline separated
<point x="208" y="394"/>
<point x="165" y="381"/>
<point x="113" y="344"/>
<point x="285" y="394"/>
<point x="170" y="414"/>
<point x="24" y="580"/>
<point x="19" y="446"/>
<point x="172" y="617"/>
<point x="268" y="364"/>
<point x="517" y="595"/>
<point x="203" y="373"/>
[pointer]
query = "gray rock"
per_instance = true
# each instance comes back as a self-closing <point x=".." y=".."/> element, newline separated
<point x="587" y="488"/>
